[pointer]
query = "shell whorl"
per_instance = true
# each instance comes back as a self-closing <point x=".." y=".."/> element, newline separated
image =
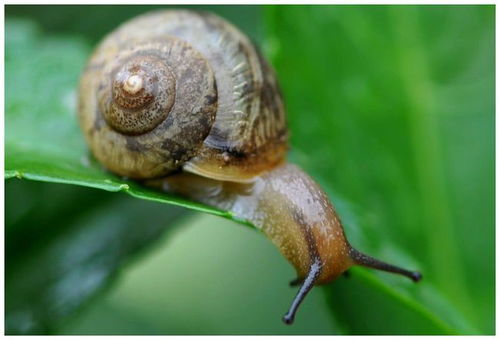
<point x="173" y="89"/>
<point x="137" y="95"/>
<point x="147" y="105"/>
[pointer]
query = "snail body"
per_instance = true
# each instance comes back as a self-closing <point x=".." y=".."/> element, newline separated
<point x="184" y="102"/>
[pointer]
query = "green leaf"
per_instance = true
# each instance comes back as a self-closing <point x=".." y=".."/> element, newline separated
<point x="59" y="256"/>
<point x="393" y="107"/>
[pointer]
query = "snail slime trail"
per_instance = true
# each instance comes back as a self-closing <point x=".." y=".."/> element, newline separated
<point x="183" y="101"/>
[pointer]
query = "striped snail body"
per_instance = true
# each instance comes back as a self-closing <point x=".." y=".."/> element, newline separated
<point x="184" y="102"/>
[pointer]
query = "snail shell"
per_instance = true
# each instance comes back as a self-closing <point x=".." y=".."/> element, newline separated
<point x="182" y="89"/>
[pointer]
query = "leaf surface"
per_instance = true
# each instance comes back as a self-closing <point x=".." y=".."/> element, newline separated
<point x="391" y="108"/>
<point x="391" y="118"/>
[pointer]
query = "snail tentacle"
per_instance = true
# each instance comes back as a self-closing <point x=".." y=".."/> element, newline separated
<point x="306" y="286"/>
<point x="367" y="261"/>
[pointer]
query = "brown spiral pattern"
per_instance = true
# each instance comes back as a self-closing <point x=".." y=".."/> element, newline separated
<point x="147" y="105"/>
<point x="143" y="92"/>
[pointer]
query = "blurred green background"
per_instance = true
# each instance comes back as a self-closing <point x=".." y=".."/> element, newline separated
<point x="391" y="109"/>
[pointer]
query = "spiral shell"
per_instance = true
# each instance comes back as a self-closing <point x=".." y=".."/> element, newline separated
<point x="173" y="89"/>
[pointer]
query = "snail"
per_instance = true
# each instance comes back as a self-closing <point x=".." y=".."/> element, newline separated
<point x="184" y="102"/>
